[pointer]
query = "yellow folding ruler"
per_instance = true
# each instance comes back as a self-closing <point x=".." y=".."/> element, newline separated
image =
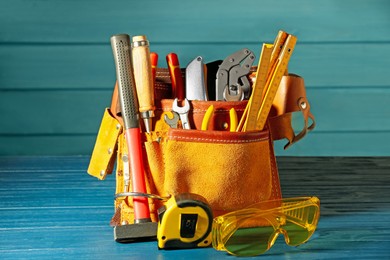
<point x="278" y="46"/>
<point x="263" y="76"/>
<point x="275" y="78"/>
<point x="254" y="102"/>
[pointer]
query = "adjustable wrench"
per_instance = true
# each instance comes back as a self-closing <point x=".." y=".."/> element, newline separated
<point x="183" y="112"/>
<point x="231" y="82"/>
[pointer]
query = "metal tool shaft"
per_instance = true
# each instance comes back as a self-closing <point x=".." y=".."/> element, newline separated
<point x="127" y="95"/>
<point x="195" y="80"/>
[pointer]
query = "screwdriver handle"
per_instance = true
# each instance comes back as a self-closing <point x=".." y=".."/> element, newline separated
<point x="176" y="76"/>
<point x="154" y="62"/>
<point x="143" y="77"/>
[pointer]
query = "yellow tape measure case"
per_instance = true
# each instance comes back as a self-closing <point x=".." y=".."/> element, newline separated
<point x="185" y="221"/>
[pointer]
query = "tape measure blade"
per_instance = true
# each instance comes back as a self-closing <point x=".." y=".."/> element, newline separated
<point x="257" y="94"/>
<point x="272" y="87"/>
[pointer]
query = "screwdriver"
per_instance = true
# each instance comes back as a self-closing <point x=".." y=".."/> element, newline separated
<point x="176" y="77"/>
<point x="129" y="106"/>
<point x="143" y="79"/>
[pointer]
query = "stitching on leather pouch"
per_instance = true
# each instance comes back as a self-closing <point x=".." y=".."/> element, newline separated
<point x="274" y="191"/>
<point x="161" y="86"/>
<point x="182" y="138"/>
<point x="273" y="188"/>
<point x="219" y="111"/>
<point x="162" y="75"/>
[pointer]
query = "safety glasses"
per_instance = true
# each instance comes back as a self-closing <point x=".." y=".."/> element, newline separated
<point x="253" y="230"/>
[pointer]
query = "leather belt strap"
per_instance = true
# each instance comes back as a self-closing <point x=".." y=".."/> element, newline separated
<point x="290" y="98"/>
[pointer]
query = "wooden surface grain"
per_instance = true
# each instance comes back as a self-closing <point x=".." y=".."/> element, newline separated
<point x="51" y="208"/>
<point x="57" y="71"/>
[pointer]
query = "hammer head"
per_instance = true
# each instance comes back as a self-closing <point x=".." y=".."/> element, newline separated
<point x="136" y="232"/>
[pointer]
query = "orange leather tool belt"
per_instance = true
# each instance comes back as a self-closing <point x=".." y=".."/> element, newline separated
<point x="230" y="169"/>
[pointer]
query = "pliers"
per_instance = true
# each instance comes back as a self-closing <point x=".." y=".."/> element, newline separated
<point x="209" y="113"/>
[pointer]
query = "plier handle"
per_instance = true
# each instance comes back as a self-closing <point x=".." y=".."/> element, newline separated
<point x="209" y="113"/>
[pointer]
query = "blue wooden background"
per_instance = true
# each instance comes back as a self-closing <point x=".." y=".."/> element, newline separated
<point x="57" y="71"/>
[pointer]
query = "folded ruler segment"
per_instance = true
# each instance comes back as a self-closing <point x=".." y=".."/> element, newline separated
<point x="255" y="100"/>
<point x="265" y="69"/>
<point x="278" y="71"/>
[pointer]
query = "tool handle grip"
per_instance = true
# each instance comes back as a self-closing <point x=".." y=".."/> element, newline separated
<point x="141" y="205"/>
<point x="143" y="73"/>
<point x="154" y="62"/>
<point x="176" y="76"/>
<point x="126" y="86"/>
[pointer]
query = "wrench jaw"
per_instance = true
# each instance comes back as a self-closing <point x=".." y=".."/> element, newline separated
<point x="172" y="122"/>
<point x="183" y="112"/>
<point x="238" y="94"/>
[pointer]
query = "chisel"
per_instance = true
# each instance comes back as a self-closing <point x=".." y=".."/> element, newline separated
<point x="143" y="79"/>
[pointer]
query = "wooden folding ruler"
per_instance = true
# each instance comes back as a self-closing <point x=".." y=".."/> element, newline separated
<point x="268" y="58"/>
<point x="252" y="109"/>
<point x="277" y="72"/>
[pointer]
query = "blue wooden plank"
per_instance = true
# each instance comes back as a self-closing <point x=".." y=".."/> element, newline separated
<point x="47" y="144"/>
<point x="338" y="144"/>
<point x="26" y="164"/>
<point x="348" y="228"/>
<point x="80" y="112"/>
<point x="91" y="66"/>
<point x="83" y="217"/>
<point x="197" y="21"/>
<point x="53" y="112"/>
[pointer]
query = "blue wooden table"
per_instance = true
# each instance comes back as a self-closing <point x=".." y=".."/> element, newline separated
<point x="51" y="208"/>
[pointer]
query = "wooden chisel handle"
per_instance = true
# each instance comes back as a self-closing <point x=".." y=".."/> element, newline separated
<point x="143" y="79"/>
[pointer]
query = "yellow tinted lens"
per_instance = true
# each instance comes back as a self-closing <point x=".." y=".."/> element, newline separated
<point x="249" y="241"/>
<point x="301" y="224"/>
<point x="296" y="234"/>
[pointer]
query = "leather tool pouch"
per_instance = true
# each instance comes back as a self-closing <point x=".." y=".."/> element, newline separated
<point x="230" y="169"/>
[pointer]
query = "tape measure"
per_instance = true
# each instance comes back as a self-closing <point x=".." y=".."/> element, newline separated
<point x="276" y="77"/>
<point x="185" y="221"/>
